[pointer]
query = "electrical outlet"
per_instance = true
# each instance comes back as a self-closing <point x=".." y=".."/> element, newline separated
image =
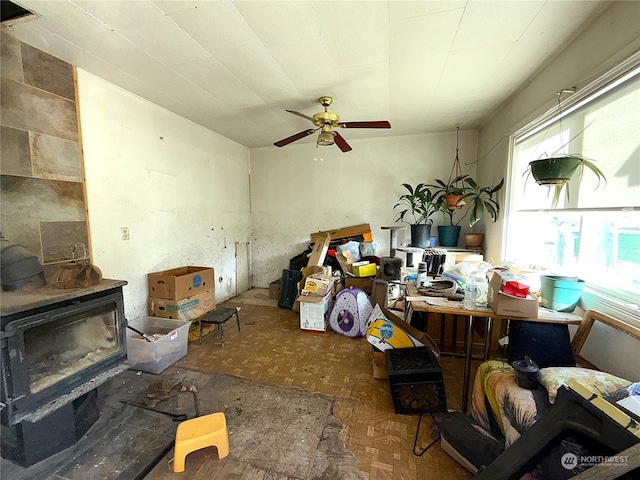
<point x="125" y="233"/>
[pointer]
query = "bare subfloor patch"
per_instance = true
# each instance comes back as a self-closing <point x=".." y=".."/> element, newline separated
<point x="275" y="432"/>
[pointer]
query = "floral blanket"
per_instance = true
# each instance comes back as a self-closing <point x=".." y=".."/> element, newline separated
<point x="501" y="407"/>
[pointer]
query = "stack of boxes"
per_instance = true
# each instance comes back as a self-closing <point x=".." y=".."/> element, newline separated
<point x="316" y="300"/>
<point x="316" y="289"/>
<point x="185" y="293"/>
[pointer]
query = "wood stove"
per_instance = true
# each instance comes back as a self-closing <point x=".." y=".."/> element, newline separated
<point x="57" y="347"/>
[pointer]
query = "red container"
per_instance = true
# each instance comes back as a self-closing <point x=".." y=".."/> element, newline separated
<point x="515" y="289"/>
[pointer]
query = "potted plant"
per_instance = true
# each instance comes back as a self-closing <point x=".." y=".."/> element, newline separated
<point x="481" y="200"/>
<point x="416" y="208"/>
<point x="449" y="199"/>
<point x="478" y="199"/>
<point x="557" y="170"/>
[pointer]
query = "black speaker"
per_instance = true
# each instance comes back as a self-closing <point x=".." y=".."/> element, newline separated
<point x="390" y="268"/>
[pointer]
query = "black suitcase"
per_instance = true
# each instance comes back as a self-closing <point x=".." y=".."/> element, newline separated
<point x="289" y="288"/>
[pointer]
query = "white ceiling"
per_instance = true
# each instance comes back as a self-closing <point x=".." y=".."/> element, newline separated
<point x="235" y="66"/>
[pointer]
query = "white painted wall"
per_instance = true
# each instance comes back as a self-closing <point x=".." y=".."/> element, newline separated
<point x="294" y="193"/>
<point x="182" y="190"/>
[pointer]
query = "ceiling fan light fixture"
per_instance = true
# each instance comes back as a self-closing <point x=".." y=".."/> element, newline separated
<point x="325" y="139"/>
<point x="325" y="121"/>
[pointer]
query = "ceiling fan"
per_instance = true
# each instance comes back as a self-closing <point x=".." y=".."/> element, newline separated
<point x="325" y="121"/>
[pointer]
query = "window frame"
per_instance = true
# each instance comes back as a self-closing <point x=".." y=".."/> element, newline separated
<point x="622" y="305"/>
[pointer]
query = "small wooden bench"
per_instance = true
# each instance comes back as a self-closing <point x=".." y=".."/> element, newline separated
<point x="218" y="317"/>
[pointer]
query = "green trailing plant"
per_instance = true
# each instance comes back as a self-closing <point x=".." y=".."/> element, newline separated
<point x="556" y="172"/>
<point x="417" y="206"/>
<point x="476" y="200"/>
<point x="557" y="169"/>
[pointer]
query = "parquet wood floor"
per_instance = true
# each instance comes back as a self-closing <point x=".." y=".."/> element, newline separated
<point x="271" y="347"/>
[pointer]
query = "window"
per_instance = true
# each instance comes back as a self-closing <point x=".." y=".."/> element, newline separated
<point x="595" y="232"/>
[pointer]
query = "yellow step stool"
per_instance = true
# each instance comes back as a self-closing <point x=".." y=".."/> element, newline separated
<point x="200" y="432"/>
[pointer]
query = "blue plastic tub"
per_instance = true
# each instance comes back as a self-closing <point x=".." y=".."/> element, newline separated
<point x="560" y="293"/>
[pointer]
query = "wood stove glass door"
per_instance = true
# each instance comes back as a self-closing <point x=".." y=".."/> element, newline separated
<point x="66" y="346"/>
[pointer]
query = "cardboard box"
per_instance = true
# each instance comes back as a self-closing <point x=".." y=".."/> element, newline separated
<point x="364" y="283"/>
<point x="317" y="284"/>
<point x="306" y="271"/>
<point x="154" y="357"/>
<point x="367" y="270"/>
<point x="346" y="232"/>
<point x="319" y="251"/>
<point x="189" y="308"/>
<point x="345" y="260"/>
<point x="274" y="289"/>
<point x="179" y="283"/>
<point x="314" y="312"/>
<point x="508" y="305"/>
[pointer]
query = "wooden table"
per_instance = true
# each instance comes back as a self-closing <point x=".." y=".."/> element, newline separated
<point x="421" y="303"/>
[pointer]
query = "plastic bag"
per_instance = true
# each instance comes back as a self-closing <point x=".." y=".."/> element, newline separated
<point x="353" y="247"/>
<point x="368" y="249"/>
<point x="460" y="272"/>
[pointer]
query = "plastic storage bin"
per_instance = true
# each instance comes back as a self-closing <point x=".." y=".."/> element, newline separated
<point x="560" y="293"/>
<point x="154" y="357"/>
<point x="416" y="381"/>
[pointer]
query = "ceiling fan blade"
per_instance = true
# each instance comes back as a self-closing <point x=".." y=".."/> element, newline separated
<point x="380" y="124"/>
<point x="341" y="142"/>
<point x="295" y="137"/>
<point x="301" y="115"/>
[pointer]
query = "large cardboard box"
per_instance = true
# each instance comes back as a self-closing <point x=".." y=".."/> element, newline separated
<point x="508" y="305"/>
<point x="179" y="283"/>
<point x="189" y="308"/>
<point x="314" y="312"/>
<point x="319" y="251"/>
<point x="154" y="357"/>
<point x="347" y="232"/>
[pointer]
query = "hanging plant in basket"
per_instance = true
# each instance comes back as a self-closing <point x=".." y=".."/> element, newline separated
<point x="557" y="171"/>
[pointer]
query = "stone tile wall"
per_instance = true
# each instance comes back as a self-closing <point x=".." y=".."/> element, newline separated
<point x="42" y="201"/>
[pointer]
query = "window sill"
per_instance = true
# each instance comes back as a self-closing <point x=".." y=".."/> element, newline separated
<point x="599" y="299"/>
